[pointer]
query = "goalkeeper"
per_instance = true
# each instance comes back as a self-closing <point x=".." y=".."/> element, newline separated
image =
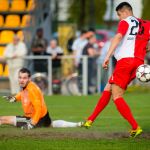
<point x="34" y="107"/>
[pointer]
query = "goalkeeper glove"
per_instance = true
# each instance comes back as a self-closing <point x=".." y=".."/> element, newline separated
<point x="11" y="99"/>
<point x="28" y="126"/>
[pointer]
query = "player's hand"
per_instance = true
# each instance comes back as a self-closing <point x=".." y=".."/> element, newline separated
<point x="11" y="99"/>
<point x="105" y="63"/>
<point x="28" y="126"/>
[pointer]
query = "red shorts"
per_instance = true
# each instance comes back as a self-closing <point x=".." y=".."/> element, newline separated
<point x="125" y="71"/>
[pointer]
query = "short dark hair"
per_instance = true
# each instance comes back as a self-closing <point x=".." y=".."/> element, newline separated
<point x="25" y="70"/>
<point x="39" y="30"/>
<point x="91" y="29"/>
<point x="83" y="31"/>
<point x="123" y="5"/>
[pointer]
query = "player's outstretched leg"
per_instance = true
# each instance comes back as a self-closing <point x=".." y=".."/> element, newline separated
<point x="102" y="103"/>
<point x="9" y="120"/>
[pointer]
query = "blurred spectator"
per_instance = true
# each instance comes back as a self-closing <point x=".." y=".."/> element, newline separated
<point x="38" y="47"/>
<point x="55" y="51"/>
<point x="91" y="51"/>
<point x="103" y="36"/>
<point x="13" y="55"/>
<point x="77" y="48"/>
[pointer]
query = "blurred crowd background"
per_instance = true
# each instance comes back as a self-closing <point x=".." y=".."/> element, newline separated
<point x="52" y="38"/>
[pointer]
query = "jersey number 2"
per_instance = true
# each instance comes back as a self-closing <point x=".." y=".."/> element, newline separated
<point x="141" y="30"/>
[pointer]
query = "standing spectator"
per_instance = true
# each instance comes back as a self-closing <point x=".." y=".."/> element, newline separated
<point x="79" y="44"/>
<point x="77" y="48"/>
<point x="38" y="47"/>
<point x="90" y="51"/>
<point x="13" y="55"/>
<point x="55" y="51"/>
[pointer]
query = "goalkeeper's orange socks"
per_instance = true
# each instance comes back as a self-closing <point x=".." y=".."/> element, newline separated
<point x="102" y="103"/>
<point x="125" y="111"/>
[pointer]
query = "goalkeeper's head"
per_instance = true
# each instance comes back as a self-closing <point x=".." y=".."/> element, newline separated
<point x="24" y="77"/>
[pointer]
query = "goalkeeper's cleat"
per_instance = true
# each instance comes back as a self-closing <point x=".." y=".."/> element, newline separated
<point x="87" y="124"/>
<point x="137" y="132"/>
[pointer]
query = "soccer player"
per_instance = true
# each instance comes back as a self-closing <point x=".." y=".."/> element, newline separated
<point x="34" y="107"/>
<point x="132" y="37"/>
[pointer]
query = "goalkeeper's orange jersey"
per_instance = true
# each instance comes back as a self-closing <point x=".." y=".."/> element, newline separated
<point x="32" y="102"/>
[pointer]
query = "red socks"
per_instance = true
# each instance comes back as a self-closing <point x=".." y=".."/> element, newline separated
<point x="125" y="111"/>
<point x="121" y="105"/>
<point x="102" y="103"/>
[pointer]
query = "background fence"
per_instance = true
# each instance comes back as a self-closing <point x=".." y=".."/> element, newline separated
<point x="69" y="81"/>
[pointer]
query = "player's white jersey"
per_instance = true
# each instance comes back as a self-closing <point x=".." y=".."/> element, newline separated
<point x="136" y="33"/>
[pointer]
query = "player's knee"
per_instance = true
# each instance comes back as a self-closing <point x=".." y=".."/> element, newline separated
<point x="108" y="87"/>
<point x="117" y="92"/>
<point x="116" y="96"/>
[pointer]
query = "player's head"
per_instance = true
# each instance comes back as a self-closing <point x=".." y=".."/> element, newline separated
<point x="24" y="77"/>
<point x="124" y="10"/>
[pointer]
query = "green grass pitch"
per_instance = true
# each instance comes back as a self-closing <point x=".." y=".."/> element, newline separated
<point x="109" y="131"/>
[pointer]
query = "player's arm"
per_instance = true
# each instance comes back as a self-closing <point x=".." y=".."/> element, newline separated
<point x="114" y="43"/>
<point x="122" y="29"/>
<point x="18" y="96"/>
<point x="12" y="99"/>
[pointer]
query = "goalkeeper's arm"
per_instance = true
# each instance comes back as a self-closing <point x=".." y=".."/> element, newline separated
<point x="11" y="99"/>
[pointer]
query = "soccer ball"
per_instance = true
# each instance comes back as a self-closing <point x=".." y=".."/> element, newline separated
<point x="143" y="73"/>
